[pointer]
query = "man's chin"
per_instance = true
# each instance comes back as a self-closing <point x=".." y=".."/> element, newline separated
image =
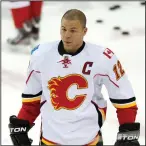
<point x="67" y="49"/>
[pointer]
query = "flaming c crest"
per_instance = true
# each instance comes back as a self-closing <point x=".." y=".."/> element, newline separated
<point x="59" y="86"/>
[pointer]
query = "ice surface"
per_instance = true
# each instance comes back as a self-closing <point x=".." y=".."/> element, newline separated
<point x="129" y="49"/>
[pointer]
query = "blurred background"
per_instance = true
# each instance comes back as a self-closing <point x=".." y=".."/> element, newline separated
<point x="119" y="26"/>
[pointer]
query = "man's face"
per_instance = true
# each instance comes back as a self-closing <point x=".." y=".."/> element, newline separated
<point x="72" y="33"/>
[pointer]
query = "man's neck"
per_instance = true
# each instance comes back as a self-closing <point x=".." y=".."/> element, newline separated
<point x="74" y="50"/>
<point x="63" y="51"/>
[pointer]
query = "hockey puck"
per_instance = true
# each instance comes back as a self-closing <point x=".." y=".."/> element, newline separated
<point x="125" y="33"/>
<point x="116" y="28"/>
<point x="114" y="7"/>
<point x="142" y="3"/>
<point x="99" y="21"/>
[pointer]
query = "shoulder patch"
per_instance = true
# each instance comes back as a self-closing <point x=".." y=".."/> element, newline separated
<point x="108" y="53"/>
<point x="34" y="49"/>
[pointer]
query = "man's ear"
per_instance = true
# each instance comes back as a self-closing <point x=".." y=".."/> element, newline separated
<point x="85" y="31"/>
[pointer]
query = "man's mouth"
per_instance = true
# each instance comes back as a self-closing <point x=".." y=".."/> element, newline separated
<point x="68" y="42"/>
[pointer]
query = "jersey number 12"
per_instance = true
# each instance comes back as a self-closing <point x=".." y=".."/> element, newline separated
<point x="118" y="70"/>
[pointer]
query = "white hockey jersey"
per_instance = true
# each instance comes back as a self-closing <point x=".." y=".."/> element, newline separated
<point x="69" y="90"/>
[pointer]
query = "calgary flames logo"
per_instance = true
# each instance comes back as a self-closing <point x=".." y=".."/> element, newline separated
<point x="59" y="91"/>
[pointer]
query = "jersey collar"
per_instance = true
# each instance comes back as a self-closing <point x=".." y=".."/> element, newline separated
<point x="62" y="51"/>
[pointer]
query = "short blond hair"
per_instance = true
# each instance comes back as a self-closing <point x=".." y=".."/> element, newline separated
<point x="75" y="14"/>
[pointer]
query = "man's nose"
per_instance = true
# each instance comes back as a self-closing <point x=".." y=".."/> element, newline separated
<point x="67" y="34"/>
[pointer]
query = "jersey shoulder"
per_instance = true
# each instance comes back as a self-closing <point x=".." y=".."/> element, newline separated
<point x="44" y="48"/>
<point x="98" y="50"/>
<point x="94" y="50"/>
<point x="101" y="54"/>
<point x="40" y="51"/>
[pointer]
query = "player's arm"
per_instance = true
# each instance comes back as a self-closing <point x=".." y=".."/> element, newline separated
<point x="123" y="99"/>
<point x="31" y="96"/>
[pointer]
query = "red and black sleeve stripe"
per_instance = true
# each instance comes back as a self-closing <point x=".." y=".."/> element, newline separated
<point x="126" y="109"/>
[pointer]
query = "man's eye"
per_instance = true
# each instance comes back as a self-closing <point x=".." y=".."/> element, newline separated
<point x="73" y="31"/>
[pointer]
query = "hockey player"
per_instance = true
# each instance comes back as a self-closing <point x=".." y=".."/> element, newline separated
<point x="26" y="17"/>
<point x="64" y="86"/>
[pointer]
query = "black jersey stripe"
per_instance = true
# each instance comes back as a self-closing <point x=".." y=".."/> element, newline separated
<point x="42" y="103"/>
<point x="100" y="123"/>
<point x="122" y="101"/>
<point x="31" y="95"/>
